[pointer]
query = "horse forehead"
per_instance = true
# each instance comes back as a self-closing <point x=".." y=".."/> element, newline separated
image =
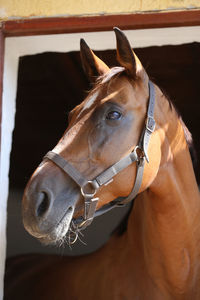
<point x="118" y="89"/>
<point x="123" y="88"/>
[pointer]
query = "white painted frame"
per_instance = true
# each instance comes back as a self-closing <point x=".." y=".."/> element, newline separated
<point x="20" y="46"/>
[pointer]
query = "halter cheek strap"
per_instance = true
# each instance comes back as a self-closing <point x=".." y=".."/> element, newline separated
<point x="90" y="187"/>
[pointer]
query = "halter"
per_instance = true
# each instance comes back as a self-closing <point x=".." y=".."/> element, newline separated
<point x="89" y="188"/>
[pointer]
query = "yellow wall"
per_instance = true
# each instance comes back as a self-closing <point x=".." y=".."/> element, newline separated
<point x="10" y="9"/>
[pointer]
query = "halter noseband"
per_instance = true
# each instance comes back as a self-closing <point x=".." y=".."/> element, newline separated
<point x="90" y="187"/>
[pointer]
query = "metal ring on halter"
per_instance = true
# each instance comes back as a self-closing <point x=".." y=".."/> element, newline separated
<point x="141" y="154"/>
<point x="86" y="194"/>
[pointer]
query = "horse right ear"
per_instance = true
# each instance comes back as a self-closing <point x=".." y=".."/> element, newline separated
<point x="92" y="65"/>
<point x="126" y="56"/>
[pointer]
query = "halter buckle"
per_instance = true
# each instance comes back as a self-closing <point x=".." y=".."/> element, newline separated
<point x="88" y="190"/>
<point x="150" y="124"/>
<point x="139" y="152"/>
<point x="90" y="207"/>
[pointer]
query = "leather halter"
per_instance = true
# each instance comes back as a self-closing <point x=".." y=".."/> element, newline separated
<point x="90" y="187"/>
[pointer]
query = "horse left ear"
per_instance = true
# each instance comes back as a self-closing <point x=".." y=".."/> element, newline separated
<point x="126" y="56"/>
<point x="92" y="65"/>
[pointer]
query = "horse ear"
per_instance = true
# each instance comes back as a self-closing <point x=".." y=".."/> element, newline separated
<point x="126" y="56"/>
<point x="92" y="65"/>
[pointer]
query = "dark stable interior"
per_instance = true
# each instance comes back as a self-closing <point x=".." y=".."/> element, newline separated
<point x="49" y="86"/>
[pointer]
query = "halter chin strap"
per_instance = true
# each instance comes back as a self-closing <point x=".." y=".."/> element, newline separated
<point x="90" y="187"/>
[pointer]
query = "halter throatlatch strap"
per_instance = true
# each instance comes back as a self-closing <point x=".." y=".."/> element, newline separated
<point x="90" y="187"/>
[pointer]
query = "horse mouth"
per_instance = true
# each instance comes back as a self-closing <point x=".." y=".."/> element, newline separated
<point x="59" y="234"/>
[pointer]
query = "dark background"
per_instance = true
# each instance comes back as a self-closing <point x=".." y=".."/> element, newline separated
<point x="51" y="84"/>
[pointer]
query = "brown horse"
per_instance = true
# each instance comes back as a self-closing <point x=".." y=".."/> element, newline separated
<point x="106" y="156"/>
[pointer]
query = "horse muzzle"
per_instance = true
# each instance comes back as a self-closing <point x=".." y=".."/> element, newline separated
<point x="49" y="203"/>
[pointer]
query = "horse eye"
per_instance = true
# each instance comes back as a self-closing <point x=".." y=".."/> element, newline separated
<point x="113" y="115"/>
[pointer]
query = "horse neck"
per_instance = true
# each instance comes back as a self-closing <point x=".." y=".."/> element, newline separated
<point x="164" y="226"/>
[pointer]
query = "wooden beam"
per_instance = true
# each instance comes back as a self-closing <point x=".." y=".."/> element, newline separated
<point x="100" y="23"/>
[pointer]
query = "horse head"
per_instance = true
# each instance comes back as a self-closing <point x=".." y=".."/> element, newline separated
<point x="106" y="128"/>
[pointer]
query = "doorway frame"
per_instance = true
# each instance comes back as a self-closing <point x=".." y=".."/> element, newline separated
<point x="46" y="26"/>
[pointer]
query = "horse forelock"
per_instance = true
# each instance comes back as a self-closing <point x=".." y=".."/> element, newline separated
<point x="101" y="83"/>
<point x="109" y="75"/>
<point x="105" y="79"/>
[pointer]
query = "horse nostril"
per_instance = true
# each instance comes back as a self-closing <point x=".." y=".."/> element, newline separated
<point x="43" y="204"/>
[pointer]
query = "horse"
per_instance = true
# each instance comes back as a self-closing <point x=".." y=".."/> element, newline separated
<point x="125" y="141"/>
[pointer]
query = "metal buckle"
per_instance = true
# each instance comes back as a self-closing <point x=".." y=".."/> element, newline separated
<point x="90" y="207"/>
<point x="139" y="152"/>
<point x="150" y="124"/>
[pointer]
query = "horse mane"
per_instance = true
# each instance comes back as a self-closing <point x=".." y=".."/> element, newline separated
<point x="107" y="78"/>
<point x="123" y="225"/>
<point x="187" y="133"/>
